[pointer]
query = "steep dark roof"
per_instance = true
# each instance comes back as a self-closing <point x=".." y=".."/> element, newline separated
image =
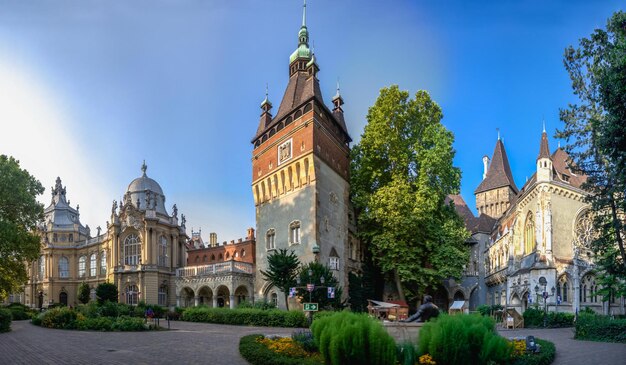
<point x="544" y="150"/>
<point x="560" y="160"/>
<point x="483" y="223"/>
<point x="498" y="173"/>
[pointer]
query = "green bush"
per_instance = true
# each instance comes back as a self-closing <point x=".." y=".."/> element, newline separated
<point x="90" y="310"/>
<point x="106" y="292"/>
<point x="258" y="354"/>
<point x="62" y="318"/>
<point x="97" y="324"/>
<point x="463" y="339"/>
<point x="348" y="338"/>
<point x="600" y="328"/>
<point x="305" y="339"/>
<point x="488" y="310"/>
<point x="129" y="324"/>
<point x="5" y="320"/>
<point x="259" y="304"/>
<point x="533" y="317"/>
<point x="249" y="317"/>
<point x="20" y="312"/>
<point x="544" y="357"/>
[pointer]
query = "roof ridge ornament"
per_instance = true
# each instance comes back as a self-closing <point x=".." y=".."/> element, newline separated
<point x="304" y="14"/>
<point x="144" y="167"/>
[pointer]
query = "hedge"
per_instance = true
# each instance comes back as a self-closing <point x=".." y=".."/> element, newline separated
<point x="5" y="320"/>
<point x="533" y="317"/>
<point x="66" y="318"/>
<point x="257" y="353"/>
<point x="600" y="328"/>
<point x="246" y="316"/>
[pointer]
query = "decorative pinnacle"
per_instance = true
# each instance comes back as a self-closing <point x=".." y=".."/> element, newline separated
<point x="337" y="95"/>
<point x="498" y="130"/>
<point x="144" y="167"/>
<point x="544" y="125"/>
<point x="304" y="14"/>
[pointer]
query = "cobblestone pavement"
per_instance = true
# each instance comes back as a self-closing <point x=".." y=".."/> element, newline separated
<point x="573" y="352"/>
<point x="187" y="343"/>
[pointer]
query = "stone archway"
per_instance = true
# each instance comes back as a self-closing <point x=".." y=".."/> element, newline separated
<point x="241" y="294"/>
<point x="63" y="298"/>
<point x="223" y="296"/>
<point x="440" y="298"/>
<point x="459" y="296"/>
<point x="187" y="297"/>
<point x="205" y="296"/>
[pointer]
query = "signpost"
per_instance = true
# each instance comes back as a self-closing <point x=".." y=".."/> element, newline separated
<point x="311" y="307"/>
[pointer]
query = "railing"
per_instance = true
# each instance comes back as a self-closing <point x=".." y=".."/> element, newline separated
<point x="215" y="269"/>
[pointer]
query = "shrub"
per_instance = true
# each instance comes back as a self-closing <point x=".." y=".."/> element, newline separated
<point x="62" y="317"/>
<point x="560" y="319"/>
<point x="544" y="357"/>
<point x="110" y="309"/>
<point x="250" y="317"/>
<point x="90" y="310"/>
<point x="463" y="339"/>
<point x="533" y="317"/>
<point x="600" y="328"/>
<point x="106" y="292"/>
<point x="406" y="353"/>
<point x="305" y="339"/>
<point x="84" y="292"/>
<point x="97" y="324"/>
<point x="346" y="337"/>
<point x="259" y="304"/>
<point x="5" y="320"/>
<point x="256" y="353"/>
<point x="129" y="324"/>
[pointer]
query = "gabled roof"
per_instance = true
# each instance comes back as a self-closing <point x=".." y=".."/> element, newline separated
<point x="498" y="173"/>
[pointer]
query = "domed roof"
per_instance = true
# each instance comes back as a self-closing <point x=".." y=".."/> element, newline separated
<point x="145" y="193"/>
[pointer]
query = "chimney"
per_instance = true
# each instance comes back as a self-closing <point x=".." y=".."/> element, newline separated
<point x="485" y="166"/>
<point x="250" y="235"/>
<point x="232" y="242"/>
<point x="213" y="239"/>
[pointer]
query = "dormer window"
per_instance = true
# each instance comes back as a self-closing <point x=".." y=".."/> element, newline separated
<point x="565" y="178"/>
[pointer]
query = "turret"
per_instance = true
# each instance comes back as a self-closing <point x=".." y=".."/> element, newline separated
<point x="544" y="161"/>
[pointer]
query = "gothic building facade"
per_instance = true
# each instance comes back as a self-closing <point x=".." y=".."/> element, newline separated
<point x="300" y="165"/>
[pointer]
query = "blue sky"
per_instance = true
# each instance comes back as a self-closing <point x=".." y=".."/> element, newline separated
<point x="89" y="89"/>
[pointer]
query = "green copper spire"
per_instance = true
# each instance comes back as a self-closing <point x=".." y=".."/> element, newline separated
<point x="303" y="50"/>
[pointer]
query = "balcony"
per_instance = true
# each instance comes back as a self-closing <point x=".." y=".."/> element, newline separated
<point x="216" y="269"/>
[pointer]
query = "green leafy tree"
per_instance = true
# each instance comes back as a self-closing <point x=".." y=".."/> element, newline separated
<point x="401" y="174"/>
<point x="106" y="292"/>
<point x="318" y="271"/>
<point x="19" y="214"/>
<point x="83" y="293"/>
<point x="282" y="268"/>
<point x="594" y="131"/>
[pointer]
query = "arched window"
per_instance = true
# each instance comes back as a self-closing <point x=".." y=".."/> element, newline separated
<point x="64" y="267"/>
<point x="529" y="234"/>
<point x="197" y="259"/>
<point x="204" y="258"/>
<point x="288" y="121"/>
<point x="41" y="267"/>
<point x="132" y="250"/>
<point x="274" y="299"/>
<point x="82" y="262"/>
<point x="298" y="114"/>
<point x="221" y="257"/>
<point x="227" y="255"/>
<point x="212" y="257"/>
<point x="294" y="233"/>
<point x="132" y="294"/>
<point x="92" y="264"/>
<point x="588" y="289"/>
<point x="243" y="252"/>
<point x="103" y="263"/>
<point x="162" y="260"/>
<point x="307" y="107"/>
<point x="270" y="243"/>
<point x="562" y="288"/>
<point x="163" y="295"/>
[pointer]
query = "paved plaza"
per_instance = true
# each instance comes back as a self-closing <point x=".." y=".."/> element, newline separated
<point x="199" y="343"/>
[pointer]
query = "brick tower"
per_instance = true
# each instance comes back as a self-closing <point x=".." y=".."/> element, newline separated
<point x="300" y="164"/>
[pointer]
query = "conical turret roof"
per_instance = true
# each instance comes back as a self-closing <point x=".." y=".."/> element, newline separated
<point x="499" y="172"/>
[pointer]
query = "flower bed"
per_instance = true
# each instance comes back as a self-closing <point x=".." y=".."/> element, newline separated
<point x="260" y="350"/>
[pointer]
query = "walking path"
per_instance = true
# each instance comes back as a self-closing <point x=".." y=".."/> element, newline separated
<point x="201" y="343"/>
<point x="573" y="352"/>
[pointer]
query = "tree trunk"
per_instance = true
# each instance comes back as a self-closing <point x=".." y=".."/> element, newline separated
<point x="398" y="285"/>
<point x="286" y="301"/>
<point x="618" y="231"/>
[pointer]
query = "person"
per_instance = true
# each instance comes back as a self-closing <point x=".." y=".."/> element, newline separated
<point x="425" y="312"/>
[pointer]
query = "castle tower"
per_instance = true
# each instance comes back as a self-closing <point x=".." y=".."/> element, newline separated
<point x="544" y="161"/>
<point x="497" y="190"/>
<point x="300" y="166"/>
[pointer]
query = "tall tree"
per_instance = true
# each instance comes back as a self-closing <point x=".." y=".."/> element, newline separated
<point x="83" y="293"/>
<point x="401" y="173"/>
<point x="594" y="131"/>
<point x="319" y="295"/>
<point x="282" y="270"/>
<point x="106" y="292"/>
<point x="19" y="214"/>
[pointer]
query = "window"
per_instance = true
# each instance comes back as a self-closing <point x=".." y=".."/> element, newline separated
<point x="529" y="234"/>
<point x="132" y="293"/>
<point x="269" y="239"/>
<point x="131" y="250"/>
<point x="55" y="237"/>
<point x="162" y="260"/>
<point x="163" y="295"/>
<point x="243" y="252"/>
<point x="82" y="261"/>
<point x="274" y="299"/>
<point x="64" y="267"/>
<point x="41" y="267"/>
<point x="204" y="258"/>
<point x="562" y="288"/>
<point x="212" y="257"/>
<point x="92" y="265"/>
<point x="71" y="237"/>
<point x="334" y="263"/>
<point x="294" y="233"/>
<point x="103" y="263"/>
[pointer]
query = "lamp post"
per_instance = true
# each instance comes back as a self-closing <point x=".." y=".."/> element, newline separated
<point x="545" y="295"/>
<point x="310" y="287"/>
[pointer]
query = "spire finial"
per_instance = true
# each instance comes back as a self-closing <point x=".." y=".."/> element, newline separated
<point x="337" y="86"/>
<point x="144" y="167"/>
<point x="544" y="124"/>
<point x="266" y="90"/>
<point x="304" y="14"/>
<point x="498" y="130"/>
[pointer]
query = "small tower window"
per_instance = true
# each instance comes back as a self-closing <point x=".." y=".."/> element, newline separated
<point x="270" y="236"/>
<point x="294" y="232"/>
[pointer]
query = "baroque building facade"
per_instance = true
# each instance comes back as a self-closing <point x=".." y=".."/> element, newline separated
<point x="300" y="165"/>
<point x="138" y="251"/>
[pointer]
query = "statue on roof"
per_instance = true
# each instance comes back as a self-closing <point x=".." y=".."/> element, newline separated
<point x="114" y="207"/>
<point x="175" y="211"/>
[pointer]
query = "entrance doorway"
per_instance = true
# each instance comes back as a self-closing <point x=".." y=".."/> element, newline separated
<point x="63" y="298"/>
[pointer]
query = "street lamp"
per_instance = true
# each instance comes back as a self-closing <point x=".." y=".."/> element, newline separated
<point x="545" y="295"/>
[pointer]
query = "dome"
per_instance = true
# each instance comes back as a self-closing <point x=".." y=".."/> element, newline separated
<point x="147" y="192"/>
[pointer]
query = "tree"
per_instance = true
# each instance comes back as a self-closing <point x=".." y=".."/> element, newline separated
<point x="19" y="214"/>
<point x="106" y="292"/>
<point x="319" y="295"/>
<point x="83" y="293"/>
<point x="596" y="142"/>
<point x="282" y="270"/>
<point x="401" y="174"/>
